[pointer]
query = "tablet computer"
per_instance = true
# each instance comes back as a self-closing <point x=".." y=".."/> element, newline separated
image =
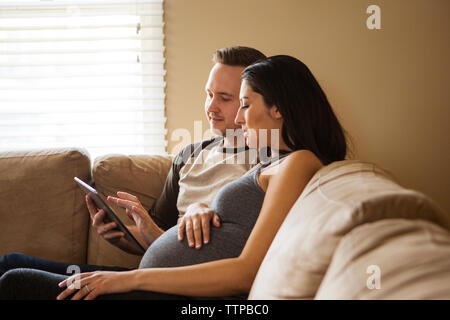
<point x="110" y="215"/>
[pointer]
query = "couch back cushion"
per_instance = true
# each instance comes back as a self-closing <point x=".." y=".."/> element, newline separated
<point x="401" y="259"/>
<point x="42" y="210"/>
<point x="340" y="197"/>
<point x="141" y="175"/>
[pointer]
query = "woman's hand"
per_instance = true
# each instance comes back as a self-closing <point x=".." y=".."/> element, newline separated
<point x="148" y="230"/>
<point x="90" y="285"/>
<point x="196" y="221"/>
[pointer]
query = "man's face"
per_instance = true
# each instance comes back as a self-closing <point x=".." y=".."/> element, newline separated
<point x="222" y="96"/>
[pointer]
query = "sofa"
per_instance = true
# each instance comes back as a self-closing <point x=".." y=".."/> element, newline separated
<point x="354" y="232"/>
<point x="43" y="211"/>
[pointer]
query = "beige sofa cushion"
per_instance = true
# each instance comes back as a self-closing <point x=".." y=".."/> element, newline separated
<point x="338" y="198"/>
<point x="141" y="175"/>
<point x="42" y="211"/>
<point x="401" y="259"/>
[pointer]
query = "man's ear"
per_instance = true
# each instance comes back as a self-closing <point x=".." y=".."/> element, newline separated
<point x="275" y="113"/>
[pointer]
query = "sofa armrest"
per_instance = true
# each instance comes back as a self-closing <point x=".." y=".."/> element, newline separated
<point x="42" y="210"/>
<point x="141" y="175"/>
<point x="390" y="259"/>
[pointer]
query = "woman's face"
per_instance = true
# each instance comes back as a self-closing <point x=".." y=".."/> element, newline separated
<point x="261" y="124"/>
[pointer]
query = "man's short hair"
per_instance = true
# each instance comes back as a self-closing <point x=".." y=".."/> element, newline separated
<point x="237" y="56"/>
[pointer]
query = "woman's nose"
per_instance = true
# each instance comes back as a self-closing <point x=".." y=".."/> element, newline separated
<point x="239" y="119"/>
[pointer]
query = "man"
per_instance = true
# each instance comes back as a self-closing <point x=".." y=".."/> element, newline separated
<point x="199" y="170"/>
<point x="197" y="173"/>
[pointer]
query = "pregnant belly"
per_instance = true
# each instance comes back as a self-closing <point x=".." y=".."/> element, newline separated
<point x="225" y="242"/>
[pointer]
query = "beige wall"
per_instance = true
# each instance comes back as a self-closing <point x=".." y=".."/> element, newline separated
<point x="390" y="87"/>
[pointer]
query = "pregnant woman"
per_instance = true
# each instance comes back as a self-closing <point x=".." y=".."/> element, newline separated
<point x="280" y="100"/>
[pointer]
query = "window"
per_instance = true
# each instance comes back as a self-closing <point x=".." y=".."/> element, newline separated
<point x="86" y="74"/>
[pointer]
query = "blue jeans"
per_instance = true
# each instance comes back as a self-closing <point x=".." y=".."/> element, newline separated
<point x="24" y="277"/>
<point x="17" y="260"/>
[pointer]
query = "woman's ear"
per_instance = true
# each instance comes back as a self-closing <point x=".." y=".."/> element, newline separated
<point x="275" y="113"/>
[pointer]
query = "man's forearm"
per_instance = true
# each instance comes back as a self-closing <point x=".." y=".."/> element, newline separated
<point x="154" y="232"/>
<point x="128" y="247"/>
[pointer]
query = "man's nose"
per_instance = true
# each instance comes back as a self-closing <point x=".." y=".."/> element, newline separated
<point x="212" y="105"/>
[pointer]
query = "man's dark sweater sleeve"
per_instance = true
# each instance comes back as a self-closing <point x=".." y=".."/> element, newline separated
<point x="164" y="211"/>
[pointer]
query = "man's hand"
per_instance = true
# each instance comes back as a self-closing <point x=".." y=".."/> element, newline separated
<point x="147" y="228"/>
<point x="196" y="221"/>
<point x="109" y="230"/>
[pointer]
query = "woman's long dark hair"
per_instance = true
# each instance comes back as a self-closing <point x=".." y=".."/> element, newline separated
<point x="308" y="119"/>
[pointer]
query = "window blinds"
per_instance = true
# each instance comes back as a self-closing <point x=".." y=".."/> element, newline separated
<point x="84" y="74"/>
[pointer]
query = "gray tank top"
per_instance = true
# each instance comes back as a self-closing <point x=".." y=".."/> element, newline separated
<point x="238" y="205"/>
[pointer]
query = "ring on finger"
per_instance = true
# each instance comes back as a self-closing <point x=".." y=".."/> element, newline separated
<point x="87" y="288"/>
